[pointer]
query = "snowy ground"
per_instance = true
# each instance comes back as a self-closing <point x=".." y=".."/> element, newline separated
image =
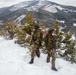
<point x="14" y="61"/>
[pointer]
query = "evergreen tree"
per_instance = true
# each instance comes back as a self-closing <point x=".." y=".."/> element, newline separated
<point x="65" y="42"/>
<point x="29" y="18"/>
<point x="41" y="25"/>
<point x="58" y="34"/>
<point x="29" y="24"/>
<point x="10" y="29"/>
<point x="67" y="39"/>
<point x="21" y="35"/>
<point x="69" y="47"/>
<point x="25" y="31"/>
<point x="72" y="51"/>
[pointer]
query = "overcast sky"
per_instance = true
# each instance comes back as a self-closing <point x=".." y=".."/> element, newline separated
<point x="4" y="3"/>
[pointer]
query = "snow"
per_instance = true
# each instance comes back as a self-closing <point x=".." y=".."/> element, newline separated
<point x="50" y="8"/>
<point x="59" y="7"/>
<point x="41" y="3"/>
<point x="61" y="21"/>
<point x="73" y="37"/>
<point x="74" y="24"/>
<point x="14" y="61"/>
<point x="45" y="5"/>
<point x="68" y="10"/>
<point x="1" y="22"/>
<point x="32" y="8"/>
<point x="20" y="18"/>
<point x="20" y="5"/>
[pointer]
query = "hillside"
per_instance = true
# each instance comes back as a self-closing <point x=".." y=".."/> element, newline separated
<point x="14" y="61"/>
<point x="42" y="10"/>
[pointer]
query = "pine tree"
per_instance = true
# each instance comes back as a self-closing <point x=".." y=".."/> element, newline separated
<point x="29" y="24"/>
<point x="10" y="29"/>
<point x="68" y="43"/>
<point x="69" y="47"/>
<point x="67" y="39"/>
<point x="72" y="51"/>
<point x="41" y="25"/>
<point x="58" y="34"/>
<point x="29" y="18"/>
<point x="21" y="35"/>
<point x="24" y="32"/>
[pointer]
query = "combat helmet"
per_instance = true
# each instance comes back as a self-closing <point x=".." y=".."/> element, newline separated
<point x="36" y="27"/>
<point x="51" y="29"/>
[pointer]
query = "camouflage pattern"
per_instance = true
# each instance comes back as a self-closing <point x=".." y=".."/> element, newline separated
<point x="36" y="43"/>
<point x="35" y="51"/>
<point x="51" y="54"/>
<point x="50" y="43"/>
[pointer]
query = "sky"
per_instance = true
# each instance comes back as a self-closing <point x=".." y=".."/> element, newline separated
<point x="4" y="3"/>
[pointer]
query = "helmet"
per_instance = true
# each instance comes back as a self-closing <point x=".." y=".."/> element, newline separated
<point x="36" y="26"/>
<point x="51" y="29"/>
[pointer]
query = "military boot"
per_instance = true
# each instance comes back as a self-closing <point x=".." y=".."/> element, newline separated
<point x="32" y="61"/>
<point x="53" y="68"/>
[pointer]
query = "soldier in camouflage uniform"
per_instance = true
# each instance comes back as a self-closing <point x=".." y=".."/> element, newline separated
<point x="50" y="43"/>
<point x="36" y="43"/>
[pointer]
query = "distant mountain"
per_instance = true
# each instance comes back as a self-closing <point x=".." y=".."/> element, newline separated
<point x="44" y="10"/>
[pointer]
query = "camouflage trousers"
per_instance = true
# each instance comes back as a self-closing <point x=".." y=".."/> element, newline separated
<point x="51" y="53"/>
<point x="35" y="51"/>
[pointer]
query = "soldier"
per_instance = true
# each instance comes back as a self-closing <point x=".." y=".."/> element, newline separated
<point x="50" y="43"/>
<point x="36" y="43"/>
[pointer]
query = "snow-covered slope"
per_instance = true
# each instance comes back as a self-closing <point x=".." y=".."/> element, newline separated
<point x="40" y="4"/>
<point x="18" y="20"/>
<point x="30" y="5"/>
<point x="20" y="5"/>
<point x="44" y="10"/>
<point x="14" y="61"/>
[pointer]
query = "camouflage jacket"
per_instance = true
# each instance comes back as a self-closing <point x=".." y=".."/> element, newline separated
<point x="37" y="37"/>
<point x="50" y="42"/>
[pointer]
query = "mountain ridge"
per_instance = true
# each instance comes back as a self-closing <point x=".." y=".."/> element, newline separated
<point x="46" y="11"/>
